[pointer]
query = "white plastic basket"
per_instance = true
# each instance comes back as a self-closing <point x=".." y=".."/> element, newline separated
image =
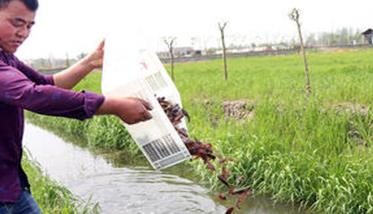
<point x="142" y="75"/>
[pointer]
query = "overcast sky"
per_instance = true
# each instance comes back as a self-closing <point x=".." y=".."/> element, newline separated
<point x="75" y="26"/>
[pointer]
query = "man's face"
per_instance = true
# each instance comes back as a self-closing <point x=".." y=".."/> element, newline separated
<point x="16" y="21"/>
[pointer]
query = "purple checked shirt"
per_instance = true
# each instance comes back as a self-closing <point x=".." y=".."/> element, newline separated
<point x="21" y="88"/>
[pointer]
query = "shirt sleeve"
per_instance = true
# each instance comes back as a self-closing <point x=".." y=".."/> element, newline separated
<point x="33" y="75"/>
<point x="18" y="90"/>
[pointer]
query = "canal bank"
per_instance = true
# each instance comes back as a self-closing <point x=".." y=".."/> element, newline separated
<point x="121" y="186"/>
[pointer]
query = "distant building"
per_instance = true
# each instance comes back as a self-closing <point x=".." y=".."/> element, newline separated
<point x="368" y="36"/>
<point x="183" y="51"/>
<point x="180" y="52"/>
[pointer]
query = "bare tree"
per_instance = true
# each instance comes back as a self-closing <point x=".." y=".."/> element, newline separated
<point x="170" y="42"/>
<point x="67" y="60"/>
<point x="294" y="15"/>
<point x="221" y="28"/>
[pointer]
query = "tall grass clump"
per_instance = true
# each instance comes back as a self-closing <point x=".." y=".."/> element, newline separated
<point x="52" y="197"/>
<point x="105" y="132"/>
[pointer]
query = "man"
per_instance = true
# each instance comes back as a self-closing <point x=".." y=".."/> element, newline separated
<point x="23" y="88"/>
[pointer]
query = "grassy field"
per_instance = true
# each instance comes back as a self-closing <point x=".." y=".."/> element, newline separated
<point x="315" y="152"/>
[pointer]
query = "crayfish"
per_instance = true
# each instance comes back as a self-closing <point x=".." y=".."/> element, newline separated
<point x="205" y="152"/>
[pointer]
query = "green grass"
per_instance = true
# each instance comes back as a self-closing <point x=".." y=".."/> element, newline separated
<point x="301" y="150"/>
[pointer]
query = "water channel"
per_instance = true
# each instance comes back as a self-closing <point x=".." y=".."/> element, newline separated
<point x="125" y="187"/>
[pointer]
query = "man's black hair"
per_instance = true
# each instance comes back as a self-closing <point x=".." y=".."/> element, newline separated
<point x="30" y="4"/>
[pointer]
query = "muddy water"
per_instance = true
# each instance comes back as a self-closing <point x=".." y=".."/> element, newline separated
<point x="124" y="187"/>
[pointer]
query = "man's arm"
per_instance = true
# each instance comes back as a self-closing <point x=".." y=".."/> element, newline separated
<point x="17" y="90"/>
<point x="68" y="78"/>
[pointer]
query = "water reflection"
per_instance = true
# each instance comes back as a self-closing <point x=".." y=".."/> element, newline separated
<point x="118" y="190"/>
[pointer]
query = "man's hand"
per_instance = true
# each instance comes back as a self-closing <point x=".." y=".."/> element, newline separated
<point x="130" y="110"/>
<point x="95" y="58"/>
<point x="69" y="77"/>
